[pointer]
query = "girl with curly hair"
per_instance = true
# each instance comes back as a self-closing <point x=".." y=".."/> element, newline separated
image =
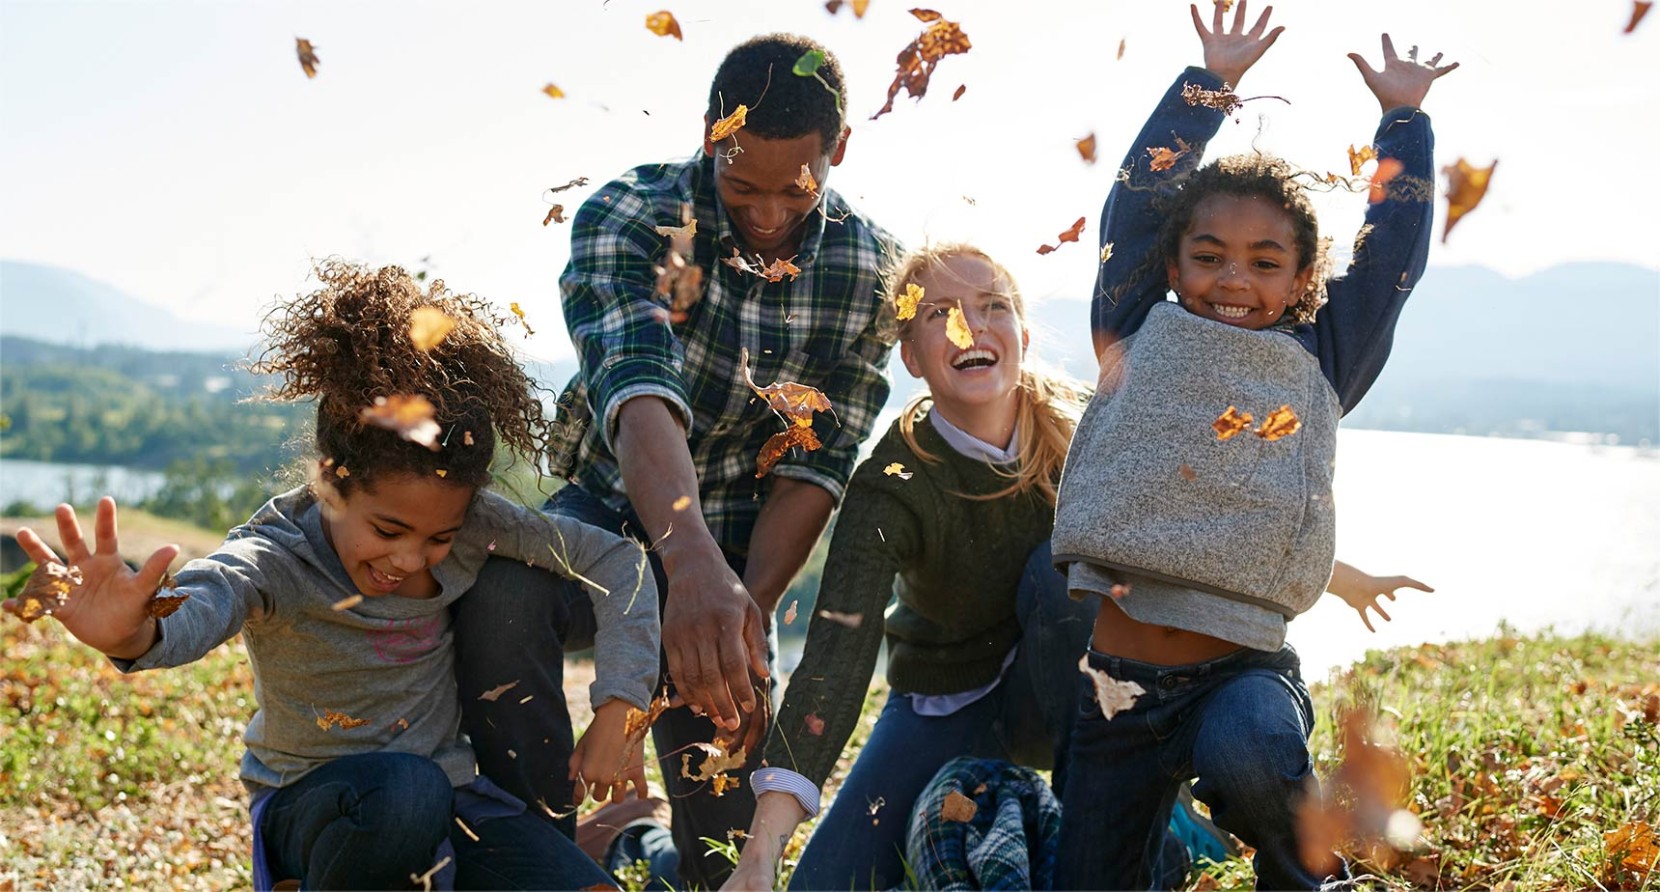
<point x="358" y="771"/>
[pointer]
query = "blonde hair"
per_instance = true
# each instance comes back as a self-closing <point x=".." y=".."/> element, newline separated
<point x="1049" y="403"/>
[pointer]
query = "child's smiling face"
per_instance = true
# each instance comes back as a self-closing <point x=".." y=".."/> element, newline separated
<point x="1237" y="262"/>
<point x="389" y="534"/>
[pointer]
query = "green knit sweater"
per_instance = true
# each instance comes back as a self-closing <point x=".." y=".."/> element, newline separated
<point x="954" y="564"/>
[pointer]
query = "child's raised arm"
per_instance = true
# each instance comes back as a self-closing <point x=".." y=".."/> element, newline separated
<point x="1400" y="83"/>
<point x="1229" y="54"/>
<point x="108" y="610"/>
<point x="1361" y="590"/>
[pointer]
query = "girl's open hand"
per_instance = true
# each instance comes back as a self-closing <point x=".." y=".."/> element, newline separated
<point x="108" y="610"/>
<point x="1362" y="590"/>
<point x="604" y="764"/>
<point x="1401" y="82"/>
<point x="1231" y="53"/>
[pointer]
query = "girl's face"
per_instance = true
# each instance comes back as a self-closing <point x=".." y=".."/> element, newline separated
<point x="1237" y="262"/>
<point x="388" y="535"/>
<point x="984" y="374"/>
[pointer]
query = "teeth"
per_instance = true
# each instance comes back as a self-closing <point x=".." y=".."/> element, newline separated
<point x="967" y="356"/>
<point x="1231" y="312"/>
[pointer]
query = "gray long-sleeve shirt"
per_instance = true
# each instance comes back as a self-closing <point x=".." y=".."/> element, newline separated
<point x="380" y="675"/>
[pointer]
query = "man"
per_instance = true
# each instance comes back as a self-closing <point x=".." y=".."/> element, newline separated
<point x="663" y="431"/>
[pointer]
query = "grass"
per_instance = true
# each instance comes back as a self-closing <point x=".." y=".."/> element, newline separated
<point x="1533" y="760"/>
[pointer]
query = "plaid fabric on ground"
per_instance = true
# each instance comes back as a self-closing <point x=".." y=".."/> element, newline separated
<point x="828" y="328"/>
<point x="1011" y="841"/>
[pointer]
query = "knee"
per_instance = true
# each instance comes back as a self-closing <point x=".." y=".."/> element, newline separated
<point x="1253" y="745"/>
<point x="407" y="793"/>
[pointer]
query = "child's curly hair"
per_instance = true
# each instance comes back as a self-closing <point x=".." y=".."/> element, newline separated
<point x="348" y="343"/>
<point x="1251" y="176"/>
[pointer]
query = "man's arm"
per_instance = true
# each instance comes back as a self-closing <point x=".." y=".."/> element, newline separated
<point x="790" y="523"/>
<point x="712" y="630"/>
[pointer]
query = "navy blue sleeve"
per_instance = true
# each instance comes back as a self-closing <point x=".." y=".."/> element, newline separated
<point x="1128" y="284"/>
<point x="1354" y="332"/>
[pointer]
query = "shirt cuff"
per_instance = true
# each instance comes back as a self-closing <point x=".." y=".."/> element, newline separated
<point x="783" y="780"/>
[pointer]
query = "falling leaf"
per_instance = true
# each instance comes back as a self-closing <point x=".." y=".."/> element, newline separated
<point x="958" y="808"/>
<point x="637" y="722"/>
<point x="956" y="329"/>
<point x="1378" y="188"/>
<point x="495" y="693"/>
<point x="1223" y="100"/>
<point x="850" y="620"/>
<point x="859" y="7"/>
<point x="46" y="590"/>
<point x="1466" y="185"/>
<point x="428" y="326"/>
<point x="1358" y="157"/>
<point x="1639" y="8"/>
<point x="789" y="615"/>
<point x="1187" y="472"/>
<point x="778" y="269"/>
<point x="679" y="280"/>
<point x="1360" y="803"/>
<point x="1106" y="252"/>
<point x="1070" y="235"/>
<point x="897" y="470"/>
<point x="579" y="181"/>
<point x="806" y="182"/>
<point x="1281" y="422"/>
<point x="682" y="503"/>
<point x="347" y="603"/>
<point x="958" y="93"/>
<point x="514" y="307"/>
<point x="716" y="760"/>
<point x="1086" y="148"/>
<point x="663" y="24"/>
<point x="797" y="402"/>
<point x="815" y="725"/>
<point x="553" y="92"/>
<point x="1120" y="49"/>
<point x="331" y="718"/>
<point x="556" y="214"/>
<point x="729" y="125"/>
<point x="782" y="442"/>
<point x="1164" y="158"/>
<point x="905" y="304"/>
<point x="409" y="416"/>
<point x="1112" y="695"/>
<point x="918" y="59"/>
<point x="1230" y="423"/>
<point x="309" y="62"/>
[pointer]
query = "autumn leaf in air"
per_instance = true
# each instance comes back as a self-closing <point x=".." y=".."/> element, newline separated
<point x="1377" y="189"/>
<point x="1639" y="8"/>
<point x="346" y="603"/>
<point x="1358" y="157"/>
<point x="46" y="590"/>
<point x="958" y="93"/>
<point x="1281" y="422"/>
<point x="409" y="416"/>
<point x="916" y="62"/>
<point x="859" y="7"/>
<point x="556" y="214"/>
<point x="428" y="326"/>
<point x="805" y="181"/>
<point x="905" y="304"/>
<point x="514" y="307"/>
<point x="308" y="56"/>
<point x="1070" y="235"/>
<point x="553" y="92"/>
<point x="495" y="693"/>
<point x="1086" y="148"/>
<point x="957" y="808"/>
<point x="1223" y="100"/>
<point x="1164" y="157"/>
<point x="1230" y="423"/>
<point x="797" y="402"/>
<point x="579" y="181"/>
<point x="956" y="329"/>
<point x="1466" y="185"/>
<point x="663" y="24"/>
<point x="1120" y="56"/>
<point x="729" y="125"/>
<point x="1112" y="695"/>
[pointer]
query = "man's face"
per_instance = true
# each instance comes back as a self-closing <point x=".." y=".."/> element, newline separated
<point x="757" y="182"/>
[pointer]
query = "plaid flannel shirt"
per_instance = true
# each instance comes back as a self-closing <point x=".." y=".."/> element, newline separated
<point x="829" y="328"/>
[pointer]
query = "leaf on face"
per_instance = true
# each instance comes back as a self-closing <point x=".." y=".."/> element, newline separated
<point x="957" y="808"/>
<point x="428" y="326"/>
<point x="409" y="416"/>
<point x="850" y="620"/>
<point x="556" y="214"/>
<point x="895" y="469"/>
<point x="1281" y="422"/>
<point x="46" y="590"/>
<point x="553" y="92"/>
<point x="905" y="304"/>
<point x="1086" y="148"/>
<point x="1358" y="157"/>
<point x="514" y="308"/>
<point x="1634" y="846"/>
<point x="1070" y="235"/>
<point x="663" y="24"/>
<point x="958" y="93"/>
<point x="1112" y="695"/>
<point x="916" y="62"/>
<point x="1639" y="8"/>
<point x="782" y="442"/>
<point x="956" y="329"/>
<point x="808" y="64"/>
<point x="1230" y="423"/>
<point x="330" y="719"/>
<point x="1466" y="186"/>
<point x="805" y="181"/>
<point x="790" y="614"/>
<point x="308" y="56"/>
<point x="1378" y="188"/>
<point x="495" y="693"/>
<point x="729" y="125"/>
<point x="1164" y="158"/>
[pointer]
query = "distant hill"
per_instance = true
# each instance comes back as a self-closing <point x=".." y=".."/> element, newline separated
<point x="60" y="306"/>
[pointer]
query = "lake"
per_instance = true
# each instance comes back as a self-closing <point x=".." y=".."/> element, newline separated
<point x="45" y="484"/>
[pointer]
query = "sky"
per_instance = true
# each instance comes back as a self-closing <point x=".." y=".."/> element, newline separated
<point x="176" y="151"/>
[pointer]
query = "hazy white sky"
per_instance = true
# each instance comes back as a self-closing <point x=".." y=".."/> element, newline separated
<point x="176" y="151"/>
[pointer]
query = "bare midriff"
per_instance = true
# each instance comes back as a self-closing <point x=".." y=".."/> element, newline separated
<point x="1116" y="634"/>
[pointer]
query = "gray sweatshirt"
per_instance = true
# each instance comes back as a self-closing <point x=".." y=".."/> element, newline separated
<point x="1229" y="538"/>
<point x="380" y="675"/>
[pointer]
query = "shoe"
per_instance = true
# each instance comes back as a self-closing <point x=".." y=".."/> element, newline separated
<point x="1202" y="838"/>
<point x="596" y="830"/>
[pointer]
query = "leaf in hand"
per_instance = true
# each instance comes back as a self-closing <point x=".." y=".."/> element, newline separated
<point x="850" y="620"/>
<point x="46" y="590"/>
<point x="1070" y="235"/>
<point x="916" y="62"/>
<point x="663" y="24"/>
<point x="637" y="722"/>
<point x="308" y="56"/>
<point x="1230" y="423"/>
<point x="409" y="416"/>
<point x="1281" y="422"/>
<point x="716" y="760"/>
<point x="1112" y="695"/>
<point x="729" y="125"/>
<point x="556" y="214"/>
<point x="1466" y="186"/>
<point x="956" y="329"/>
<point x="428" y="326"/>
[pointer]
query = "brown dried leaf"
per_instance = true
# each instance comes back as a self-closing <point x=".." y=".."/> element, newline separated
<point x="495" y="693"/>
<point x="796" y="402"/>
<point x="1281" y="422"/>
<point x="1377" y="189"/>
<point x="815" y="725"/>
<point x="1086" y="148"/>
<point x="1112" y="695"/>
<point x="729" y="125"/>
<point x="409" y="416"/>
<point x="778" y="269"/>
<point x="1120" y="56"/>
<point x="806" y="183"/>
<point x="1230" y="423"/>
<point x="1070" y="235"/>
<point x="958" y="93"/>
<point x="926" y="15"/>
<point x="428" y="326"/>
<point x="163" y="605"/>
<point x="663" y="24"/>
<point x="579" y="181"/>
<point x="716" y="760"/>
<point x="1639" y="8"/>
<point x="958" y="808"/>
<point x="46" y="590"/>
<point x="637" y="722"/>
<point x="556" y="214"/>
<point x="332" y="718"/>
<point x="308" y="56"/>
<point x="553" y="92"/>
<point x="722" y="783"/>
<point x="514" y="307"/>
<point x="916" y="62"/>
<point x="1466" y="185"/>
<point x="773" y="450"/>
<point x="1164" y="158"/>
<point x="1224" y="100"/>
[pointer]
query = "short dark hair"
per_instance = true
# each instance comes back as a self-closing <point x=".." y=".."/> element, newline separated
<point x="760" y="73"/>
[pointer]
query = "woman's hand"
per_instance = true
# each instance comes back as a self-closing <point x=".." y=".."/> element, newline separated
<point x="109" y="608"/>
<point x="1229" y="54"/>
<point x="1401" y="82"/>
<point x="1361" y="590"/>
<point x="604" y="763"/>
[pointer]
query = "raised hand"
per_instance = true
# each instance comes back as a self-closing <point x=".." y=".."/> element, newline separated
<point x="1401" y="82"/>
<point x="1231" y="53"/>
<point x="108" y="610"/>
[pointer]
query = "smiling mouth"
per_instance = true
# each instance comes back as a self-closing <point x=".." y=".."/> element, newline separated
<point x="1230" y="311"/>
<point x="385" y="581"/>
<point x="977" y="358"/>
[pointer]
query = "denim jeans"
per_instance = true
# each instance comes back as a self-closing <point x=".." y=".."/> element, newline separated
<point x="371" y="821"/>
<point x="860" y="841"/>
<point x="517" y="623"/>
<point x="1239" y="723"/>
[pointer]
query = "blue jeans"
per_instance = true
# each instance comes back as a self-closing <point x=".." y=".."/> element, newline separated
<point x="373" y="820"/>
<point x="860" y="841"/>
<point x="517" y="623"/>
<point x="1239" y="723"/>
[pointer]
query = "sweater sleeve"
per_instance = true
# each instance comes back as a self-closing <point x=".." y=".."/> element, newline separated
<point x="1131" y="282"/>
<point x="876" y="535"/>
<point x="611" y="569"/>
<point x="223" y="591"/>
<point x="1355" y="330"/>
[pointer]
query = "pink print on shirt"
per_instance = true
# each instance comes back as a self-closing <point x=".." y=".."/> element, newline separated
<point x="406" y="640"/>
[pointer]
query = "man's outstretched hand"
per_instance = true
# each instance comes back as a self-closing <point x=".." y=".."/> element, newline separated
<point x="714" y="637"/>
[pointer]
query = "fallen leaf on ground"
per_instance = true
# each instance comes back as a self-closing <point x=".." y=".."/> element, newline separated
<point x="556" y="214"/>
<point x="409" y="416"/>
<point x="495" y="693"/>
<point x="1223" y="100"/>
<point x="1466" y="186"/>
<point x="428" y="326"/>
<point x="1112" y="695"/>
<point x="778" y="269"/>
<point x="1120" y="49"/>
<point x="165" y="601"/>
<point x="663" y="24"/>
<point x="958" y="808"/>
<point x="1281" y="422"/>
<point x="1634" y="845"/>
<point x="308" y="56"/>
<point x="1230" y="423"/>
<point x="957" y="330"/>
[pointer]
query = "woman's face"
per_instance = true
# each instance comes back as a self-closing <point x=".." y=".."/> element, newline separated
<point x="985" y="373"/>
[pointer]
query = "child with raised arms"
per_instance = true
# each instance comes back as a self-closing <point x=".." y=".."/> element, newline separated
<point x="358" y="773"/>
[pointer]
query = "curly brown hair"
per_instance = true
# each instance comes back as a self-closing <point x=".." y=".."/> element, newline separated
<point x="348" y="343"/>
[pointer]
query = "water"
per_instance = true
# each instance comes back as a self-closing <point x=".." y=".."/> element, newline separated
<point x="45" y="484"/>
